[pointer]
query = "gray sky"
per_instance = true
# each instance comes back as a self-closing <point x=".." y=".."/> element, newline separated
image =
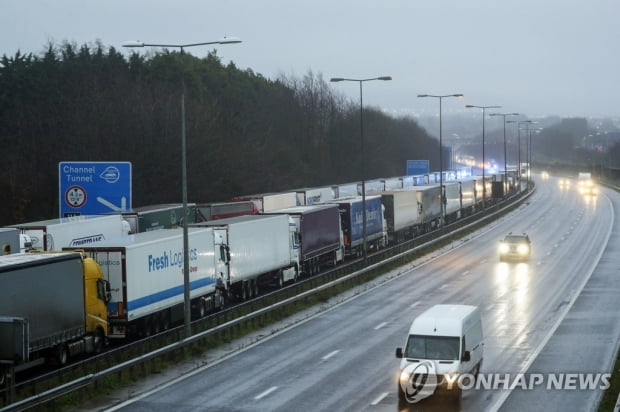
<point x="537" y="57"/>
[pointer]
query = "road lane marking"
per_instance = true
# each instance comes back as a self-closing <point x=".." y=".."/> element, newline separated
<point x="464" y="273"/>
<point x="445" y="285"/>
<point x="379" y="326"/>
<point x="490" y="307"/>
<point x="379" y="398"/>
<point x="413" y="305"/>
<point x="329" y="355"/>
<point x="267" y="392"/>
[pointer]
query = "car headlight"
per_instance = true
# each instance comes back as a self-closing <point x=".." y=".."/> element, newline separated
<point x="503" y="248"/>
<point x="523" y="249"/>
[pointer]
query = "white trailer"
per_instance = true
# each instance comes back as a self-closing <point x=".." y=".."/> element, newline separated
<point x="392" y="183"/>
<point x="255" y="249"/>
<point x="373" y="187"/>
<point x="307" y="197"/>
<point x="401" y="214"/>
<point x="345" y="190"/>
<point x="268" y="202"/>
<point x="72" y="232"/>
<point x="145" y="271"/>
<point x="429" y="207"/>
<point x="468" y="195"/>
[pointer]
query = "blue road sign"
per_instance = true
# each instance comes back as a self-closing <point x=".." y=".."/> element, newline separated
<point x="93" y="188"/>
<point x="417" y="167"/>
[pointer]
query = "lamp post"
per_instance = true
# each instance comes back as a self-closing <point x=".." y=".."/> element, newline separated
<point x="360" y="81"/>
<point x="484" y="186"/>
<point x="505" y="182"/>
<point x="519" y="144"/>
<point x="440" y="97"/>
<point x="186" y="280"/>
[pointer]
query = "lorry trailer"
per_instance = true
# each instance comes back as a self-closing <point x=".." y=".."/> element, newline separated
<point x="319" y="233"/>
<point x="254" y="249"/>
<point x="52" y="307"/>
<point x="72" y="232"/>
<point x="161" y="216"/>
<point x="9" y="240"/>
<point x="145" y="271"/>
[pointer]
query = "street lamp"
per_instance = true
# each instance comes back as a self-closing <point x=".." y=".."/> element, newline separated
<point x="440" y="97"/>
<point x="484" y="186"/>
<point x="519" y="144"/>
<point x="186" y="281"/>
<point x="360" y="81"/>
<point x="505" y="183"/>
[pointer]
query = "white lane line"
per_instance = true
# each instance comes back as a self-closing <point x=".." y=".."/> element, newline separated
<point x="379" y="326"/>
<point x="329" y="355"/>
<point x="445" y="285"/>
<point x="464" y="273"/>
<point x="413" y="305"/>
<point x="379" y="398"/>
<point x="490" y="307"/>
<point x="267" y="392"/>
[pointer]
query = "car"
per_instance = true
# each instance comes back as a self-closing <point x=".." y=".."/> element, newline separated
<point x="515" y="247"/>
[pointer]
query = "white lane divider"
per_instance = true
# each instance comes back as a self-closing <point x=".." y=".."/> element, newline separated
<point x="379" y="326"/>
<point x="329" y="355"/>
<point x="379" y="398"/>
<point x="414" y="304"/>
<point x="267" y="392"/>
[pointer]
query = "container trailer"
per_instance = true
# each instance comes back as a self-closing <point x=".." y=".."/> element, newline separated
<point x="215" y="211"/>
<point x="319" y="233"/>
<point x="315" y="195"/>
<point x="161" y="216"/>
<point x="145" y="271"/>
<point x="271" y="201"/>
<point x="73" y="232"/>
<point x="351" y="217"/>
<point x="401" y="214"/>
<point x="254" y="250"/>
<point x="9" y="240"/>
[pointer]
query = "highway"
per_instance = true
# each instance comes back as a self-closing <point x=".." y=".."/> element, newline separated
<point x="555" y="314"/>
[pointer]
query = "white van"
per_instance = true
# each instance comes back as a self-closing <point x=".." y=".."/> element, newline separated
<point x="444" y="346"/>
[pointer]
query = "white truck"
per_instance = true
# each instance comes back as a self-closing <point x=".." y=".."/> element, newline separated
<point x="255" y="249"/>
<point x="445" y="342"/>
<point x="145" y="271"/>
<point x="401" y="214"/>
<point x="271" y="201"/>
<point x="307" y="197"/>
<point x="72" y="232"/>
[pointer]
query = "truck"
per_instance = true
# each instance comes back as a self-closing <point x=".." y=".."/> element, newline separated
<point x="223" y="210"/>
<point x="314" y="195"/>
<point x="255" y="250"/>
<point x="74" y="232"/>
<point x="318" y="231"/>
<point x="345" y="190"/>
<point x="469" y="195"/>
<point x="271" y="201"/>
<point x="351" y="217"/>
<point x="146" y="276"/>
<point x="160" y="216"/>
<point x="429" y="207"/>
<point x="401" y="214"/>
<point x="452" y="200"/>
<point x="52" y="307"/>
<point x="9" y="240"/>
<point x="585" y="184"/>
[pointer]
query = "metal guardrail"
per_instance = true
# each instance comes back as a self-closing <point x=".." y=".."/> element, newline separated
<point x="67" y="388"/>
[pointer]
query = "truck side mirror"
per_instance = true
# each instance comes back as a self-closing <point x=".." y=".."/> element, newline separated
<point x="466" y="356"/>
<point x="399" y="353"/>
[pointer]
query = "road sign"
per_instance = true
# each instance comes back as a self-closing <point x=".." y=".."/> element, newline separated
<point x="417" y="167"/>
<point x="94" y="188"/>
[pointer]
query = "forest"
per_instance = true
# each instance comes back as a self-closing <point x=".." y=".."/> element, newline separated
<point x="245" y="133"/>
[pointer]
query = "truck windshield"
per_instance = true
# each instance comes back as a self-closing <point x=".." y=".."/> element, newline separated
<point x="432" y="347"/>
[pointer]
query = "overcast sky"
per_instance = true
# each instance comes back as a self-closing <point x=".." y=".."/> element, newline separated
<point x="538" y="57"/>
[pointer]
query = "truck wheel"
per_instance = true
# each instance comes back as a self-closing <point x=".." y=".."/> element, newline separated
<point x="98" y="340"/>
<point x="62" y="354"/>
<point x="280" y="280"/>
<point x="255" y="291"/>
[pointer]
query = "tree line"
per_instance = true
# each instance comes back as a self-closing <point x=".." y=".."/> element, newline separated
<point x="245" y="133"/>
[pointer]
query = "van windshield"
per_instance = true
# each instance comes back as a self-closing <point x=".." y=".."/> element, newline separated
<point x="432" y="347"/>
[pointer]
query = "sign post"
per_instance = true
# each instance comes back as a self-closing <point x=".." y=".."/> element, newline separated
<point x="417" y="167"/>
<point x="93" y="188"/>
